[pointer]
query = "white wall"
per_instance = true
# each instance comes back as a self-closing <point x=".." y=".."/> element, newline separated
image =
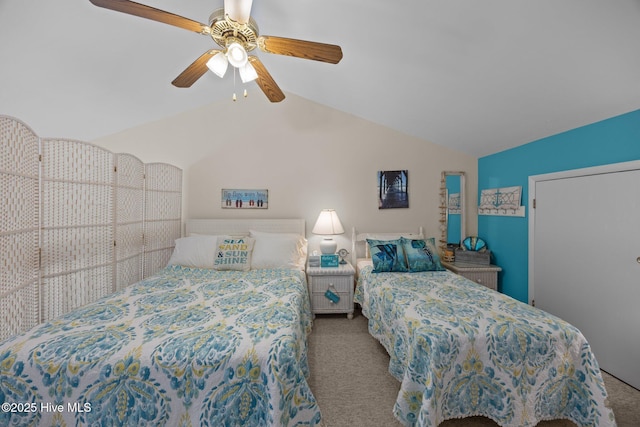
<point x="307" y="155"/>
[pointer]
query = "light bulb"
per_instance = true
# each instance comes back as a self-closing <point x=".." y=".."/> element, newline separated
<point x="245" y="93"/>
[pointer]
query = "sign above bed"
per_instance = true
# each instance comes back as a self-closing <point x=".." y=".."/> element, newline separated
<point x="245" y="199"/>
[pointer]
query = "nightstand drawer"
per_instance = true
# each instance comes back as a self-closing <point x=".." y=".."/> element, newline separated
<point x="340" y="283"/>
<point x="320" y="303"/>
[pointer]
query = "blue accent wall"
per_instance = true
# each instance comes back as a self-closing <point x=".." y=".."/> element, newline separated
<point x="609" y="141"/>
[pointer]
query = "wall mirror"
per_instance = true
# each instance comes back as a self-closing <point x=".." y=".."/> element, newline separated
<point x="452" y="208"/>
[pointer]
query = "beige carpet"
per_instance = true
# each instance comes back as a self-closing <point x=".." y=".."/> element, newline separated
<point x="353" y="387"/>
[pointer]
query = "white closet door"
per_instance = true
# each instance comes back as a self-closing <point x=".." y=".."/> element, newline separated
<point x="586" y="262"/>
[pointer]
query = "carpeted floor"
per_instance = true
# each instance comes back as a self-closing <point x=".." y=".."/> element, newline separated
<point x="353" y="387"/>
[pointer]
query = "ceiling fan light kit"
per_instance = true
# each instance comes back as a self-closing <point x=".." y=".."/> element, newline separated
<point x="248" y="73"/>
<point x="218" y="64"/>
<point x="233" y="29"/>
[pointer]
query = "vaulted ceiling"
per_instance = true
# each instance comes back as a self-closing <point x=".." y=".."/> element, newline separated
<point x="479" y="76"/>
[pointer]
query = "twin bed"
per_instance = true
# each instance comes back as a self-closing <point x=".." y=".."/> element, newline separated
<point x="188" y="346"/>
<point x="460" y="349"/>
<point x="200" y="346"/>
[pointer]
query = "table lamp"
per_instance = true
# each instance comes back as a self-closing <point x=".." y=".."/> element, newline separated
<point x="328" y="224"/>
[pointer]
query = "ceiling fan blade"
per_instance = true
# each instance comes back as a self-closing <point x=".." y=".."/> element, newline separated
<point x="301" y="49"/>
<point x="194" y="71"/>
<point x="265" y="81"/>
<point x="238" y="10"/>
<point x="153" y="14"/>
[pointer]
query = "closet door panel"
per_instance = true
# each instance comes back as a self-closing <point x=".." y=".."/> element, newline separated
<point x="587" y="241"/>
<point x="19" y="225"/>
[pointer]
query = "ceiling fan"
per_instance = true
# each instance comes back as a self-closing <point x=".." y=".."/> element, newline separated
<point x="233" y="29"/>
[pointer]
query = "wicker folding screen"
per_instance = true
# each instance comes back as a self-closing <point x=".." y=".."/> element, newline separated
<point x="163" y="214"/>
<point x="19" y="229"/>
<point x="129" y="219"/>
<point x="72" y="223"/>
<point x="77" y="225"/>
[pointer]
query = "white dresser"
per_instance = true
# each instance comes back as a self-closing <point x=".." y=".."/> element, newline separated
<point x="483" y="274"/>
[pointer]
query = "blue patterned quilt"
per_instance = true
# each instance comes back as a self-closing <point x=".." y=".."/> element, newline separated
<point x="187" y="347"/>
<point x="460" y="349"/>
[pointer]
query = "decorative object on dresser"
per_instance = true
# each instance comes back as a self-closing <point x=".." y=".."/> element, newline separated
<point x="473" y="250"/>
<point x="327" y="283"/>
<point x="328" y="224"/>
<point x="342" y="253"/>
<point x="483" y="274"/>
<point x="328" y="260"/>
<point x="314" y="260"/>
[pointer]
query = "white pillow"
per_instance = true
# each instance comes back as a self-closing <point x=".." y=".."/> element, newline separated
<point x="194" y="251"/>
<point x="278" y="250"/>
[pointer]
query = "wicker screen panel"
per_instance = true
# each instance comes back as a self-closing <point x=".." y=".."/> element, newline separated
<point x="160" y="239"/>
<point x="77" y="225"/>
<point x="62" y="293"/>
<point x="19" y="227"/>
<point x="129" y="219"/>
<point x="162" y="213"/>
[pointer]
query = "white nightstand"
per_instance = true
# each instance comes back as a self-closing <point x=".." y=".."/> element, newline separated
<point x="340" y="280"/>
<point x="483" y="274"/>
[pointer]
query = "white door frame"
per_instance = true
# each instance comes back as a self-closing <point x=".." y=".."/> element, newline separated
<point x="533" y="179"/>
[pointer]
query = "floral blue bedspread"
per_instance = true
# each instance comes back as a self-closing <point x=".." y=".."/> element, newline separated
<point x="460" y="349"/>
<point x="187" y="347"/>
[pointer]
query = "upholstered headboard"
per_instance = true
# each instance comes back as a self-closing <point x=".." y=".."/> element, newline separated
<point x="242" y="226"/>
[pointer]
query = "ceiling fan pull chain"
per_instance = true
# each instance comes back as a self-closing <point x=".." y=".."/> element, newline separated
<point x="234" y="84"/>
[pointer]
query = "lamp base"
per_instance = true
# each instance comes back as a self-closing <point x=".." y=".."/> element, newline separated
<point x="328" y="246"/>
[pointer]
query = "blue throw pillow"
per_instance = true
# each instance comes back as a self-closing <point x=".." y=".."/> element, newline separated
<point x="422" y="255"/>
<point x="387" y="255"/>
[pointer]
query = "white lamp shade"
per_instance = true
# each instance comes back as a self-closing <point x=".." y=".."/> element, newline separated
<point x="248" y="73"/>
<point x="218" y="64"/>
<point x="328" y="223"/>
<point x="236" y="55"/>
